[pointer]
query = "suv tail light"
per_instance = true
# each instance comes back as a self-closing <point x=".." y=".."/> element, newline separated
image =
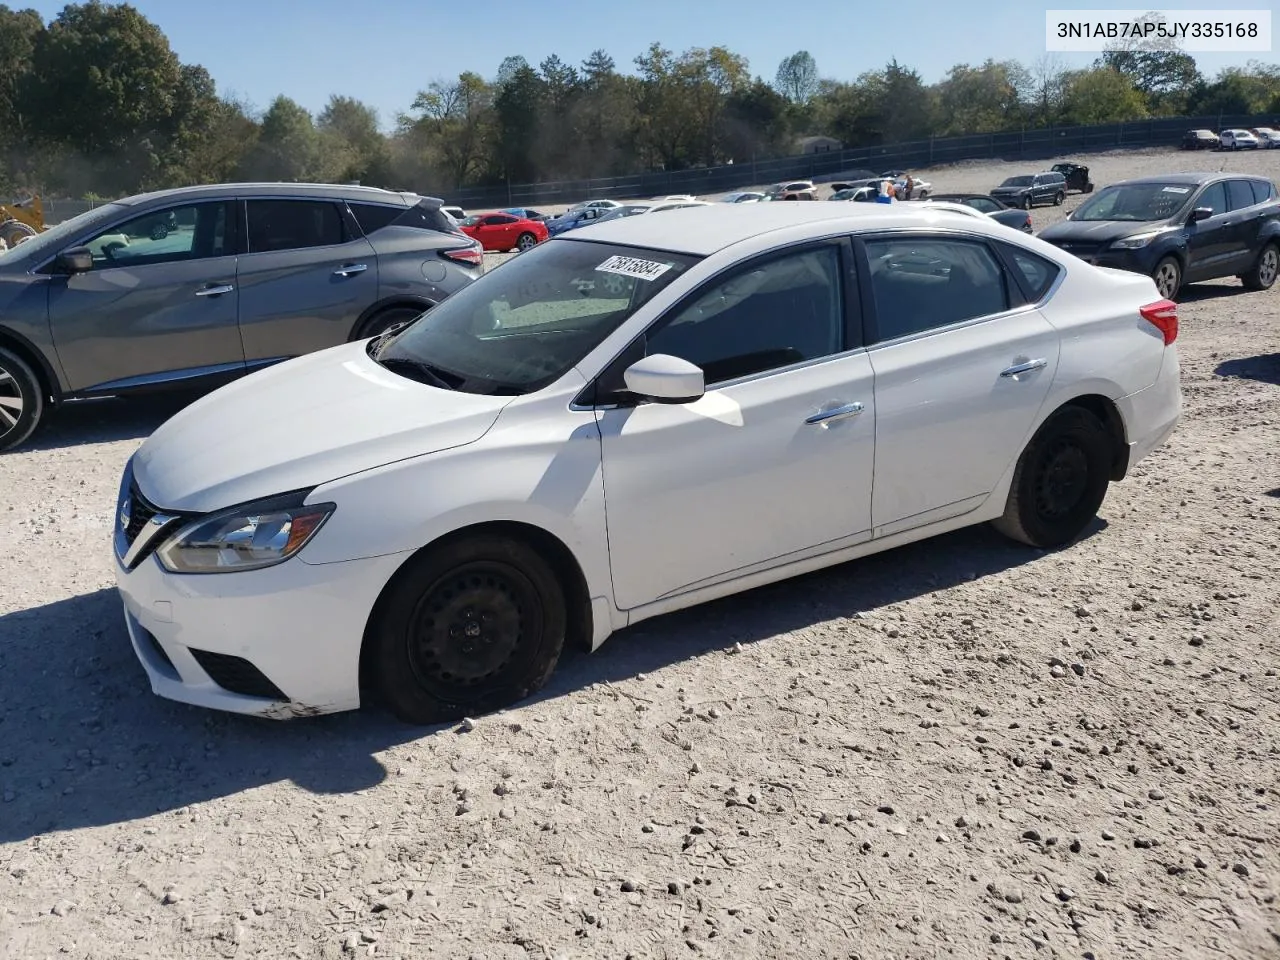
<point x="1163" y="315"/>
<point x="473" y="254"/>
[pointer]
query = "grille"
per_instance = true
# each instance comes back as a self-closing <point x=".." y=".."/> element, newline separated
<point x="139" y="513"/>
<point x="154" y="646"/>
<point x="237" y="675"/>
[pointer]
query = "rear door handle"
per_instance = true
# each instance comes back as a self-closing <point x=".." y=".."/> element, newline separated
<point x="215" y="290"/>
<point x="824" y="417"/>
<point x="1020" y="368"/>
<point x="350" y="269"/>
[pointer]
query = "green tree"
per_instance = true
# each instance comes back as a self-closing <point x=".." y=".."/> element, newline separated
<point x="982" y="99"/>
<point x="352" y="141"/>
<point x="288" y="147"/>
<point x="455" y="119"/>
<point x="1101" y="95"/>
<point x="518" y="107"/>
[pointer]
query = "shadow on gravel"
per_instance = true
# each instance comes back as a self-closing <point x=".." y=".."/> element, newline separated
<point x="107" y="420"/>
<point x="84" y="742"/>
<point x="1264" y="367"/>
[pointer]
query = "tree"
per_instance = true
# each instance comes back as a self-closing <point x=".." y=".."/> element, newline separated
<point x="1101" y="95"/>
<point x="981" y="98"/>
<point x="288" y="147"/>
<point x="797" y="77"/>
<point x="1046" y="86"/>
<point x="456" y="117"/>
<point x="350" y="137"/>
<point x="706" y="78"/>
<point x="517" y="109"/>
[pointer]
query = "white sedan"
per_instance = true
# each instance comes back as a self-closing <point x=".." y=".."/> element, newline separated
<point x="636" y="417"/>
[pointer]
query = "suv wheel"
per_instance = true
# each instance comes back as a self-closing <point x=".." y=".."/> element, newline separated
<point x="21" y="400"/>
<point x="1168" y="277"/>
<point x="1026" y="202"/>
<point x="1265" y="269"/>
<point x="1058" y="198"/>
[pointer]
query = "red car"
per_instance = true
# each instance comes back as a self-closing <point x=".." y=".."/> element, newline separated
<point x="504" y="231"/>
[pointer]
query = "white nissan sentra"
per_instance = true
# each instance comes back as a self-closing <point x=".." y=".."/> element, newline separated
<point x="634" y="418"/>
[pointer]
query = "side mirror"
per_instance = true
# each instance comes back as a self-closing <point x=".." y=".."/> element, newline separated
<point x="665" y="379"/>
<point x="1201" y="213"/>
<point x="75" y="260"/>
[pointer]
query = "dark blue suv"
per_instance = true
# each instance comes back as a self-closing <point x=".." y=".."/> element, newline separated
<point x="1179" y="229"/>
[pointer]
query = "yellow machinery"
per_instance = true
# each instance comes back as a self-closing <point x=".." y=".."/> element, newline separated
<point x="21" y="220"/>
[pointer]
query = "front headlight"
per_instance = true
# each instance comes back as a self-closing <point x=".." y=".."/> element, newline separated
<point x="247" y="537"/>
<point x="1135" y="242"/>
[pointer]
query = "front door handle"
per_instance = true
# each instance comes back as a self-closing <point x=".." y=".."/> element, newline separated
<point x="215" y="290"/>
<point x="1020" y="368"/>
<point x="824" y="417"/>
<point x="350" y="269"/>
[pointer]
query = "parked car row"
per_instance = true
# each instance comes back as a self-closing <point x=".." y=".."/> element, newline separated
<point x="1264" y="138"/>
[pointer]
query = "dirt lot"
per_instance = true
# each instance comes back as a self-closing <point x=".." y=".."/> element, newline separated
<point x="960" y="748"/>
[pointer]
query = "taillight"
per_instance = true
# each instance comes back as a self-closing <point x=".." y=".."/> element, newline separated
<point x="1163" y="315"/>
<point x="473" y="255"/>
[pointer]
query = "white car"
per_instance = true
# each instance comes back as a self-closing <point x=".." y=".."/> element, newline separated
<point x="602" y="205"/>
<point x="1238" y="140"/>
<point x="1268" y="138"/>
<point x="622" y="422"/>
<point x="676" y="205"/>
<point x="674" y="198"/>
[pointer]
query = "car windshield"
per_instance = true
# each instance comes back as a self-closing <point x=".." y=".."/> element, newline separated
<point x="1018" y="182"/>
<point x="522" y="326"/>
<point x="1136" y="202"/>
<point x="56" y="237"/>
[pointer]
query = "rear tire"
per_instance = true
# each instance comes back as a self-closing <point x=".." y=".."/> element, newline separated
<point x="473" y="626"/>
<point x="13" y="232"/>
<point x="526" y="241"/>
<point x="1265" y="269"/>
<point x="22" y="399"/>
<point x="1060" y="481"/>
<point x="384" y="320"/>
<point x="1168" y="277"/>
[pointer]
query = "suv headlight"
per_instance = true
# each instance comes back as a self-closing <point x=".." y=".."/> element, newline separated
<point x="1135" y="242"/>
<point x="247" y="537"/>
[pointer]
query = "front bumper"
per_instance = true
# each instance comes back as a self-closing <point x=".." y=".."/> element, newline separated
<point x="279" y="642"/>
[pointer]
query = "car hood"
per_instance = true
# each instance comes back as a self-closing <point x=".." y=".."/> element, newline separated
<point x="1096" y="231"/>
<point x="301" y="423"/>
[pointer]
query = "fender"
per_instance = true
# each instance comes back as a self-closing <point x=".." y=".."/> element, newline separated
<point x="30" y="352"/>
<point x="1270" y="230"/>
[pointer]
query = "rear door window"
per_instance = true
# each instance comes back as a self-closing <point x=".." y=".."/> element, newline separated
<point x="294" y="225"/>
<point x="374" y="216"/>
<point x="1239" y="194"/>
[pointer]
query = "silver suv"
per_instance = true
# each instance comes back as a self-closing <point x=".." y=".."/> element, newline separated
<point x="193" y="287"/>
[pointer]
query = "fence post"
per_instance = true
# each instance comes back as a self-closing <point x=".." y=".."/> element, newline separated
<point x="931" y="149"/>
<point x="1120" y="135"/>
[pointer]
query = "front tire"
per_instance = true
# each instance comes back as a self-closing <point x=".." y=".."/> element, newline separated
<point x="1058" y="198"/>
<point x="1060" y="481"/>
<point x="468" y="628"/>
<point x="21" y="400"/>
<point x="1168" y="277"/>
<point x="1265" y="269"/>
<point x="1026" y="202"/>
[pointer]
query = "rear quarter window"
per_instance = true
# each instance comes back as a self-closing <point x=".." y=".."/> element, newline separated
<point x="1263" y="190"/>
<point x="374" y="216"/>
<point x="1034" y="273"/>
<point x="423" y="217"/>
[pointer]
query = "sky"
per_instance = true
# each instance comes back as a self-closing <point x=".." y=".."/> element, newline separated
<point x="384" y="51"/>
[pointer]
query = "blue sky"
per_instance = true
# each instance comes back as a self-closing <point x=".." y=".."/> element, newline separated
<point x="384" y="51"/>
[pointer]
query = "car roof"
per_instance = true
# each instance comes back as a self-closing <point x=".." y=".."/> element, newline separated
<point x="702" y="231"/>
<point x="334" y="191"/>
<point x="1191" y="179"/>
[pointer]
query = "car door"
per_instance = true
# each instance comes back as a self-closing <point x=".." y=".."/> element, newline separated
<point x="962" y="365"/>
<point x="1211" y="242"/>
<point x="159" y="304"/>
<point x="306" y="277"/>
<point x="492" y="231"/>
<point x="774" y="461"/>
<point x="1243" y="234"/>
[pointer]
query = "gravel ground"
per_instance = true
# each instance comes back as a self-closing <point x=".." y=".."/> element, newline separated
<point x="958" y="748"/>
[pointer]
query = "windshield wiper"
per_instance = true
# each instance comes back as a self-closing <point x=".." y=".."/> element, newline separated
<point x="421" y="371"/>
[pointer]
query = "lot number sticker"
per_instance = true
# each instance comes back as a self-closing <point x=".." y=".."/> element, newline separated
<point x="633" y="267"/>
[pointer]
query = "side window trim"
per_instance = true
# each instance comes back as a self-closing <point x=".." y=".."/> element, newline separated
<point x="870" y="316"/>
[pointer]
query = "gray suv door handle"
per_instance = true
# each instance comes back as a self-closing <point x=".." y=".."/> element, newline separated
<point x="350" y="269"/>
<point x="216" y="290"/>
<point x="824" y="417"/>
<point x="1020" y="368"/>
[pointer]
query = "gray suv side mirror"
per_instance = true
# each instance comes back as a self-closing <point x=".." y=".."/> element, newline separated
<point x="1201" y="213"/>
<point x="75" y="260"/>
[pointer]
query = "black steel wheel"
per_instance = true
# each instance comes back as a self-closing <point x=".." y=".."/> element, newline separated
<point x="1060" y="481"/>
<point x="471" y="627"/>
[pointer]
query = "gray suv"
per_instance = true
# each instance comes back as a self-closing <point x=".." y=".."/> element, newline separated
<point x="1032" y="188"/>
<point x="193" y="287"/>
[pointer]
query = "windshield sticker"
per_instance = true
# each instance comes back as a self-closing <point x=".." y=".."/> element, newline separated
<point x="1176" y="190"/>
<point x="633" y="267"/>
